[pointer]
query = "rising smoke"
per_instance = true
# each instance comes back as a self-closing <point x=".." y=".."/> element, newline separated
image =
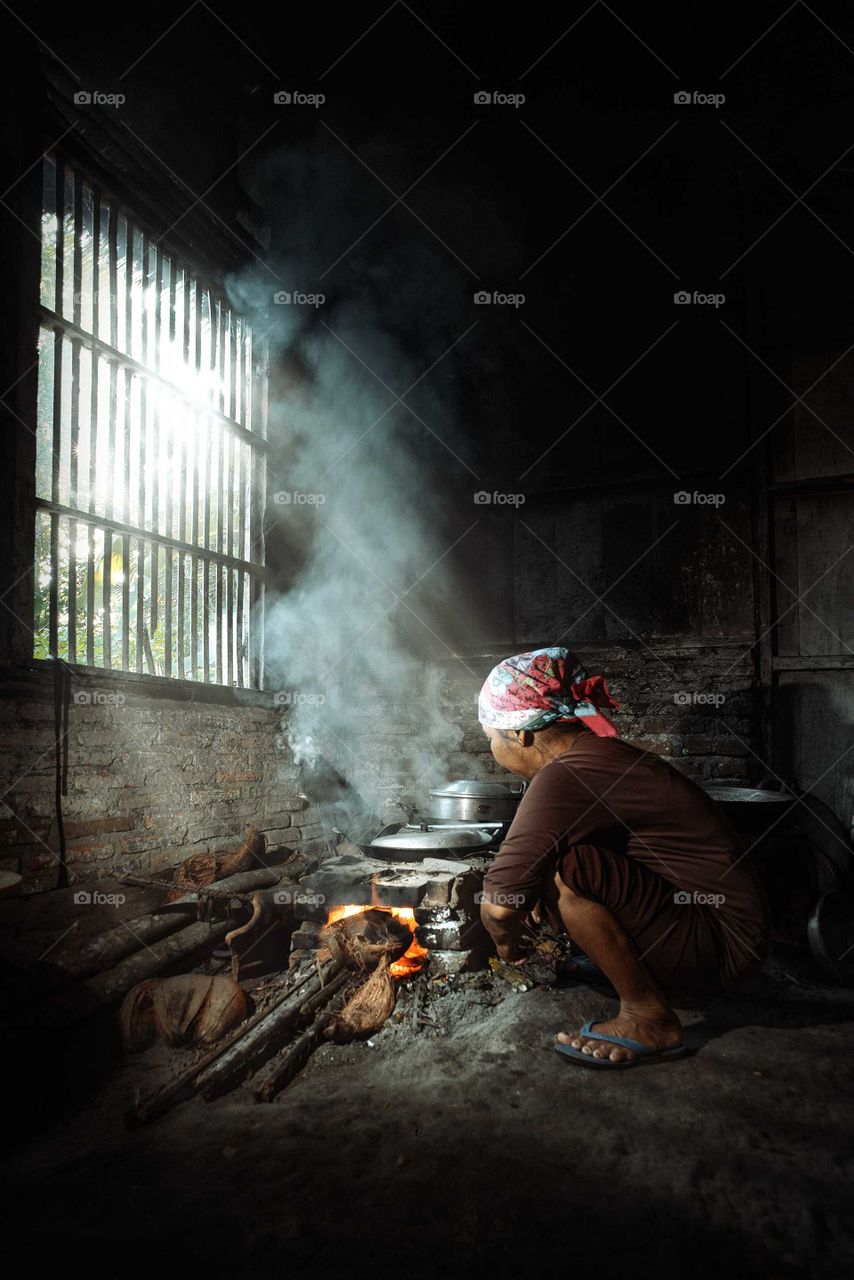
<point x="366" y="499"/>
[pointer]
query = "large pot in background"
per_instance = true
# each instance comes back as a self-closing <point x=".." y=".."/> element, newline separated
<point x="750" y="808"/>
<point x="470" y="800"/>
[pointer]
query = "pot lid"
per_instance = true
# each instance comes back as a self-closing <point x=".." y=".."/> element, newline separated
<point x="474" y="788"/>
<point x="747" y="795"/>
<point x="416" y="838"/>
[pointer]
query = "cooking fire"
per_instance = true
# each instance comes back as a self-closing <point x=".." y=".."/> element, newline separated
<point x="412" y="960"/>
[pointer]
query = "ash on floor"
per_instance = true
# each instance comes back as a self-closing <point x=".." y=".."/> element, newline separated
<point x="471" y="1148"/>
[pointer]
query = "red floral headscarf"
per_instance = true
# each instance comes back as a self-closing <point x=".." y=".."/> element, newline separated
<point x="543" y="687"/>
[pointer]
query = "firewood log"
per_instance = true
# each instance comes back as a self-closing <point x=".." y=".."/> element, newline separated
<point x="183" y="1085"/>
<point x="101" y="992"/>
<point x="262" y="1041"/>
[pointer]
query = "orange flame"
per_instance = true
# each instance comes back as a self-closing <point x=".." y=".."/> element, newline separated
<point x="413" y="959"/>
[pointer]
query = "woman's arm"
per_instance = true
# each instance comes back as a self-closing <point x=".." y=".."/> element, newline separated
<point x="506" y="926"/>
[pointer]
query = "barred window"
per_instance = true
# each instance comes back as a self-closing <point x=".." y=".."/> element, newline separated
<point x="150" y="452"/>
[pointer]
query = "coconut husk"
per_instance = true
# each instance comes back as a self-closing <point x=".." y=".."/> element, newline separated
<point x="203" y="869"/>
<point x="253" y="847"/>
<point x="189" y="1008"/>
<point x="196" y="872"/>
<point x="362" y="940"/>
<point x="367" y="1010"/>
<point x="137" y="1024"/>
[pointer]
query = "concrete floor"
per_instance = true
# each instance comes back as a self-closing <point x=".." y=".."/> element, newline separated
<point x="478" y="1152"/>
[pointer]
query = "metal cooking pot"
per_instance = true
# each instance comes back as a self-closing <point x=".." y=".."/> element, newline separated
<point x="475" y="801"/>
<point x="413" y="842"/>
<point x="750" y="808"/>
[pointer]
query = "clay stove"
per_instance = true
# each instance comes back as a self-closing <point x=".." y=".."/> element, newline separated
<point x="437" y="897"/>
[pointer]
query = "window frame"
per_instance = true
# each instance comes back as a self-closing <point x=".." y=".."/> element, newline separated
<point x="202" y="559"/>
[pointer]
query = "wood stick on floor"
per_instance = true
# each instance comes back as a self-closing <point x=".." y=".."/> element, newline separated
<point x="282" y="1069"/>
<point x="182" y="1086"/>
<point x="263" y="1040"/>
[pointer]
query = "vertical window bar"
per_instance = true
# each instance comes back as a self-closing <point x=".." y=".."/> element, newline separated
<point x="96" y="264"/>
<point x="232" y="365"/>
<point x="90" y="596"/>
<point x="142" y="498"/>
<point x="146" y="293"/>
<point x="230" y="446"/>
<point x="109" y="483"/>
<point x="90" y="529"/>
<point x="154" y="460"/>
<point x="53" y="621"/>
<point x="221" y="343"/>
<point x="72" y="495"/>
<point x="173" y="276"/>
<point x="114" y="274"/>
<point x="206" y="614"/>
<point x="129" y="342"/>
<point x="77" y="297"/>
<point x="220" y="535"/>
<point x="126" y="540"/>
<point x="107" y="589"/>
<point x="97" y="220"/>
<point x="166" y="476"/>
<point x="182" y="534"/>
<point x="47" y="291"/>
<point x="241" y="554"/>
<point x="194" y="617"/>
<point x="187" y="292"/>
<point x="167" y="611"/>
<point x="67" y="295"/>
<point x="158" y="304"/>
<point x="249" y="421"/>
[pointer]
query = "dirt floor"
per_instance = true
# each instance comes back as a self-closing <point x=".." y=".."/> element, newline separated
<point x="468" y="1149"/>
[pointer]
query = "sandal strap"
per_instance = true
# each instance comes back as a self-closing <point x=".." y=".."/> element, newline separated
<point x="634" y="1045"/>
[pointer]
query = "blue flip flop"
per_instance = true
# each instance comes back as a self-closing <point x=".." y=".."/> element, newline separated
<point x="643" y="1051"/>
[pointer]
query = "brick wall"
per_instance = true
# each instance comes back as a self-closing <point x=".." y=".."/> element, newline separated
<point x="150" y="779"/>
<point x="664" y="696"/>
<point x="153" y="778"/>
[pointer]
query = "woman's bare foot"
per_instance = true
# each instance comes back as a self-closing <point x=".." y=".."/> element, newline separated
<point x="659" y="1031"/>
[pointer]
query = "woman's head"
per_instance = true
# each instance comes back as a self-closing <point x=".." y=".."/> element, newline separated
<point x="530" y="703"/>
<point x="525" y="751"/>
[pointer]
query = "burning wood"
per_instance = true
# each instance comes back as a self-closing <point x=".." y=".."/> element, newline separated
<point x="362" y="936"/>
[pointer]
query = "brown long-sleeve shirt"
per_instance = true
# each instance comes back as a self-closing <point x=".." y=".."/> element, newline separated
<point x="686" y="870"/>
